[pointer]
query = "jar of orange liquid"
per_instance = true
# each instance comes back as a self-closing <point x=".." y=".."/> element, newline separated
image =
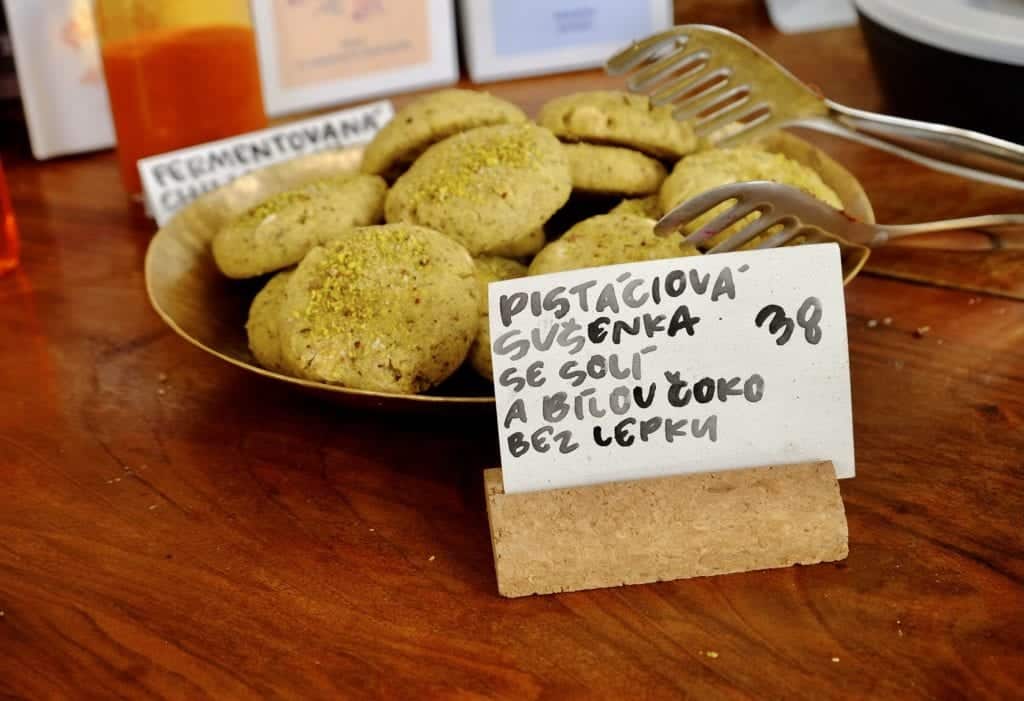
<point x="179" y="73"/>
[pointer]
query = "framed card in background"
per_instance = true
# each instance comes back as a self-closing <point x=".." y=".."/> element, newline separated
<point x="516" y="38"/>
<point x="60" y="76"/>
<point x="315" y="53"/>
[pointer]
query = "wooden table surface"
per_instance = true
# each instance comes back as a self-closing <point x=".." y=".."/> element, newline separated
<point x="173" y="527"/>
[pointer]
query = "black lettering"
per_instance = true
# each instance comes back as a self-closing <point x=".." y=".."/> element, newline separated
<point x="628" y="294"/>
<point x="614" y="369"/>
<point x="675" y="283"/>
<point x="555" y="407"/>
<point x="681" y="320"/>
<point x="534" y="376"/>
<point x="600" y="439"/>
<point x="595" y="329"/>
<point x="517" y="445"/>
<point x="544" y="344"/>
<point x="570" y="371"/>
<point x="509" y="378"/>
<point x="165" y="172"/>
<point x="507" y="344"/>
<point x="709" y="427"/>
<point x="753" y="388"/>
<point x="261" y="149"/>
<point x="618" y="400"/>
<point x="704" y="390"/>
<point x="653" y="324"/>
<point x="698" y="283"/>
<point x="622" y="435"/>
<point x="628" y="327"/>
<point x="538" y="441"/>
<point x="516" y="412"/>
<point x="580" y="291"/>
<point x="555" y="301"/>
<point x="779" y="322"/>
<point x="607" y="299"/>
<point x="724" y="285"/>
<point x="678" y="395"/>
<point x="569" y="337"/>
<point x="640" y="400"/>
<point x="728" y="388"/>
<point x="649" y="426"/>
<point x="510" y="305"/>
<point x="195" y="166"/>
<point x="675" y="429"/>
<point x="808" y="317"/>
<point x="565" y="443"/>
<point x="312" y="135"/>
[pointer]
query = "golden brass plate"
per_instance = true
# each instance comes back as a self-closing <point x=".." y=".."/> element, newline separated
<point x="208" y="310"/>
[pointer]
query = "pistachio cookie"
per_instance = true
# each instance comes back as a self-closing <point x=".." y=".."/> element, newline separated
<point x="648" y="207"/>
<point x="621" y="119"/>
<point x="605" y="240"/>
<point x="387" y="308"/>
<point x="489" y="269"/>
<point x="709" y="169"/>
<point x="491" y="189"/>
<point x="277" y="233"/>
<point x="610" y="170"/>
<point x="430" y="119"/>
<point x="262" y="326"/>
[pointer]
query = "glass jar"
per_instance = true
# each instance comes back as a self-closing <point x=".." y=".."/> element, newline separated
<point x="179" y="73"/>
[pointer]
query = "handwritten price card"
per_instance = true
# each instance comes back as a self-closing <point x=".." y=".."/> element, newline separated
<point x="672" y="366"/>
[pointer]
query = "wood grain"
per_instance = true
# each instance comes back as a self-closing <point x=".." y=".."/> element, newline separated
<point x="173" y="528"/>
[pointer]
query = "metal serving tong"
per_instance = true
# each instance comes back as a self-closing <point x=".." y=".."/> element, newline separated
<point x="733" y="92"/>
<point x="801" y="215"/>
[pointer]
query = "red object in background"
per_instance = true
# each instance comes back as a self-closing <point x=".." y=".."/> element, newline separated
<point x="8" y="230"/>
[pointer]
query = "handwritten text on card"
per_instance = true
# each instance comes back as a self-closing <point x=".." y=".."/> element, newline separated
<point x="682" y="365"/>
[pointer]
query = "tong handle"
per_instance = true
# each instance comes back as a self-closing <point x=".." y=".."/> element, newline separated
<point x="962" y="152"/>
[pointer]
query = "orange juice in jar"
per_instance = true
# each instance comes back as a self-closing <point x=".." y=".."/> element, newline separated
<point x="179" y="73"/>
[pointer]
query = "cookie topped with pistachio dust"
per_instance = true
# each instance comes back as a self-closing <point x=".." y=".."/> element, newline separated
<point x="262" y="326"/>
<point x="649" y="207"/>
<point x="708" y="169"/>
<point x="278" y="232"/>
<point x="620" y="119"/>
<point x="608" y="239"/>
<point x="430" y="119"/>
<point x="491" y="189"/>
<point x="611" y="170"/>
<point x="489" y="269"/>
<point x="391" y="308"/>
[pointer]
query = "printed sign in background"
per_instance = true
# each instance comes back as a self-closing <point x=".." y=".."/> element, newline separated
<point x="666" y="367"/>
<point x="514" y="38"/>
<point x="530" y="26"/>
<point x="316" y="53"/>
<point x="172" y="180"/>
<point x="320" y="40"/>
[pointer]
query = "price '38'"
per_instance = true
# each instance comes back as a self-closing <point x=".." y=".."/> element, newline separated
<point x="808" y="317"/>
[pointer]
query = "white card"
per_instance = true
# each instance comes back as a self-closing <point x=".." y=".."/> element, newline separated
<point x="172" y="180"/>
<point x="315" y="53"/>
<point x="672" y="366"/>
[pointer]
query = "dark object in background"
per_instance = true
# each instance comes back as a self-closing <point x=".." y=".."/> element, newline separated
<point x="923" y="77"/>
<point x="8" y="81"/>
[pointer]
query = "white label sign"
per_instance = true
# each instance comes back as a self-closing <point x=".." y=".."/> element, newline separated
<point x="672" y="366"/>
<point x="172" y="180"/>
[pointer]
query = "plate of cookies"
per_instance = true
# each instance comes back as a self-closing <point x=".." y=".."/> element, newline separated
<point x="361" y="274"/>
